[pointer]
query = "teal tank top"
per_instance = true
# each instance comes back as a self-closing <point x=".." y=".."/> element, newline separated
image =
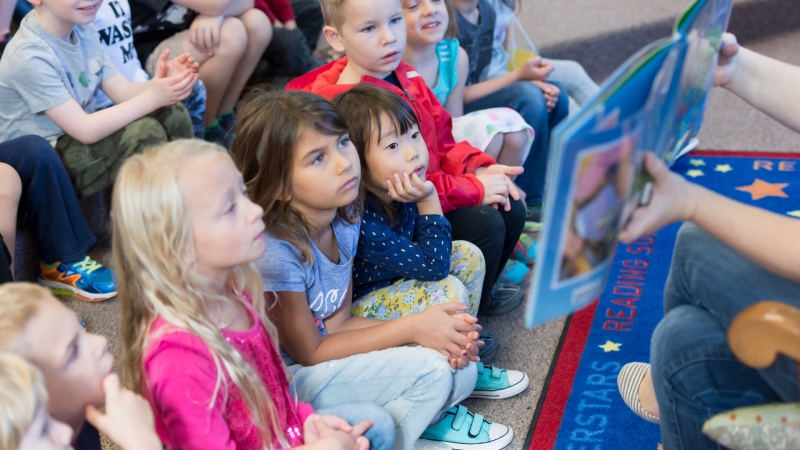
<point x="447" y="51"/>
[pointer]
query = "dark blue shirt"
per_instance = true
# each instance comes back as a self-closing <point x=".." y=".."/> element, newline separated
<point x="417" y="248"/>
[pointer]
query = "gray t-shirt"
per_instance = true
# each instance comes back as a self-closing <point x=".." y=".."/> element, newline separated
<point x="324" y="283"/>
<point x="39" y="71"/>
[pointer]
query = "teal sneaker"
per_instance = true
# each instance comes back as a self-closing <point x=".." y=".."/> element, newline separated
<point x="87" y="279"/>
<point x="498" y="383"/>
<point x="461" y="429"/>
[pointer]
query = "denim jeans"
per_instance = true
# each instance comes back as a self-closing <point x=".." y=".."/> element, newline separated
<point x="572" y="76"/>
<point x="528" y="100"/>
<point x="694" y="372"/>
<point x="380" y="434"/>
<point x="54" y="215"/>
<point x="414" y="384"/>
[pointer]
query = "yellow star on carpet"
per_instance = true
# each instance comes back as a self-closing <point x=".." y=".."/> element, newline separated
<point x="761" y="189"/>
<point x="610" y="346"/>
<point x="694" y="173"/>
<point x="697" y="162"/>
<point x="794" y="214"/>
<point x="724" y="168"/>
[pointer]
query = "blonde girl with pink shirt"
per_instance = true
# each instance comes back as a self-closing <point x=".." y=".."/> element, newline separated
<point x="199" y="346"/>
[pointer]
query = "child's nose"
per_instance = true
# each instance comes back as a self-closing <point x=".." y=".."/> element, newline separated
<point x="388" y="36"/>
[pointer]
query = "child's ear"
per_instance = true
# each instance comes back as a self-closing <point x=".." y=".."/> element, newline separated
<point x="332" y="35"/>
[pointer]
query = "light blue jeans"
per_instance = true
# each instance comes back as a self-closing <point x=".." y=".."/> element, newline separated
<point x="380" y="434"/>
<point x="694" y="372"/>
<point x="414" y="384"/>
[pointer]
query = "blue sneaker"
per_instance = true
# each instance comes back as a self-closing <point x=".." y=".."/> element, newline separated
<point x="498" y="383"/>
<point x="87" y="279"/>
<point x="462" y="429"/>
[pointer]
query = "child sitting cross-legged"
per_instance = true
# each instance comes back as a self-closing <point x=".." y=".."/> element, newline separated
<point x="77" y="372"/>
<point x="299" y="163"/>
<point x="199" y="345"/>
<point x="469" y="183"/>
<point x="50" y="74"/>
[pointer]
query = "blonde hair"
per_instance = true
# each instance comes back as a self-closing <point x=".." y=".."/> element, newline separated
<point x="151" y="243"/>
<point x="23" y="394"/>
<point x="18" y="303"/>
<point x="333" y="12"/>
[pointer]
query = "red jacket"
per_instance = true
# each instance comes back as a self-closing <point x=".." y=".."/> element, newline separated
<point x="276" y="9"/>
<point x="452" y="165"/>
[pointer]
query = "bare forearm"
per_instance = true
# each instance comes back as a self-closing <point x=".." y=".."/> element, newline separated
<point x="488" y="87"/>
<point x="768" y="239"/>
<point x="101" y="124"/>
<point x="361" y="336"/>
<point x="132" y="90"/>
<point x="770" y="85"/>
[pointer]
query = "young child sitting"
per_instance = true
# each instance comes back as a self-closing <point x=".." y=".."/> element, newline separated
<point x="300" y="165"/>
<point x="433" y="49"/>
<point x="115" y="32"/>
<point x="49" y="77"/>
<point x="226" y="37"/>
<point x="542" y="104"/>
<point x="76" y="367"/>
<point x="54" y="218"/>
<point x="373" y="34"/>
<point x="199" y="345"/>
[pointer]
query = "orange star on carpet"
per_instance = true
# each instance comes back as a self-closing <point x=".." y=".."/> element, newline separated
<point x="760" y="189"/>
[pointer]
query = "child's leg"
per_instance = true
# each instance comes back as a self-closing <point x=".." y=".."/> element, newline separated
<point x="467" y="264"/>
<point x="258" y="34"/>
<point x="10" y="193"/>
<point x="413" y="384"/>
<point x="53" y="212"/>
<point x="175" y="120"/>
<point x="196" y="106"/>
<point x="574" y="78"/>
<point x="308" y="15"/>
<point x="94" y="167"/>
<point x="404" y="298"/>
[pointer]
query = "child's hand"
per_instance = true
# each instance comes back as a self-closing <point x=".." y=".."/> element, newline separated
<point x="128" y="420"/>
<point x="534" y="69"/>
<point x="336" y="432"/>
<point x="437" y="328"/>
<point x="551" y="93"/>
<point x="164" y="90"/>
<point x="204" y="33"/>
<point x="673" y="200"/>
<point x="181" y="63"/>
<point x="728" y="64"/>
<point x="410" y="189"/>
<point x="497" y="184"/>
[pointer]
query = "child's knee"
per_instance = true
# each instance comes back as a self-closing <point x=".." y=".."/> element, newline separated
<point x="468" y="252"/>
<point x="147" y="130"/>
<point x="258" y="26"/>
<point x="233" y="37"/>
<point x="10" y="184"/>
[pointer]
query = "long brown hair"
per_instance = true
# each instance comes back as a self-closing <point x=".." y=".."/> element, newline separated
<point x="362" y="107"/>
<point x="269" y="125"/>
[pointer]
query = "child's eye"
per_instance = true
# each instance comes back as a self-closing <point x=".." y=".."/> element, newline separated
<point x="232" y="208"/>
<point x="343" y="143"/>
<point x="412" y="7"/>
<point x="396" y="20"/>
<point x="318" y="160"/>
<point x="415" y="135"/>
<point x="368" y="29"/>
<point x="73" y="353"/>
<point x="392" y="146"/>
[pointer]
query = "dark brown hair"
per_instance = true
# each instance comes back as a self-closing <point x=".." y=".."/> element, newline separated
<point x="452" y="21"/>
<point x="362" y="107"/>
<point x="269" y="125"/>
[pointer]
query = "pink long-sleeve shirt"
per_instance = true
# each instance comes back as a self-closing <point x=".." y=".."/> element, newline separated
<point x="180" y="376"/>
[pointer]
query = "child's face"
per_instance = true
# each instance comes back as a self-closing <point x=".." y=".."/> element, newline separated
<point x="73" y="362"/>
<point x="426" y="21"/>
<point x="373" y="36"/>
<point x="325" y="175"/>
<point x="391" y="154"/>
<point x="226" y="225"/>
<point x="69" y="12"/>
<point x="46" y="433"/>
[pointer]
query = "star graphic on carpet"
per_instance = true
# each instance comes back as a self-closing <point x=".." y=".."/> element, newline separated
<point x="694" y="173"/>
<point x="610" y="346"/>
<point x="724" y="168"/>
<point x="697" y="162"/>
<point x="760" y="189"/>
<point x="794" y="214"/>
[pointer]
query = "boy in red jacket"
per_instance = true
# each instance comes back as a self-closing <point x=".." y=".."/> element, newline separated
<point x="477" y="194"/>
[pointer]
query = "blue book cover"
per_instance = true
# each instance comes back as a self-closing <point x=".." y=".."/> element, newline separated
<point x="653" y="102"/>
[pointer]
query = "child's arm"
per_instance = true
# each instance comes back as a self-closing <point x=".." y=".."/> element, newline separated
<point x="347" y="335"/>
<point x="768" y="239"/>
<point x="128" y="419"/>
<point x="534" y="69"/>
<point x="91" y="128"/>
<point x="454" y="104"/>
<point x="120" y="90"/>
<point x="319" y="434"/>
<point x="769" y="85"/>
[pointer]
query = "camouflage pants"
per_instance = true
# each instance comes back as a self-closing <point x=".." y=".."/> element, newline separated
<point x="94" y="167"/>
